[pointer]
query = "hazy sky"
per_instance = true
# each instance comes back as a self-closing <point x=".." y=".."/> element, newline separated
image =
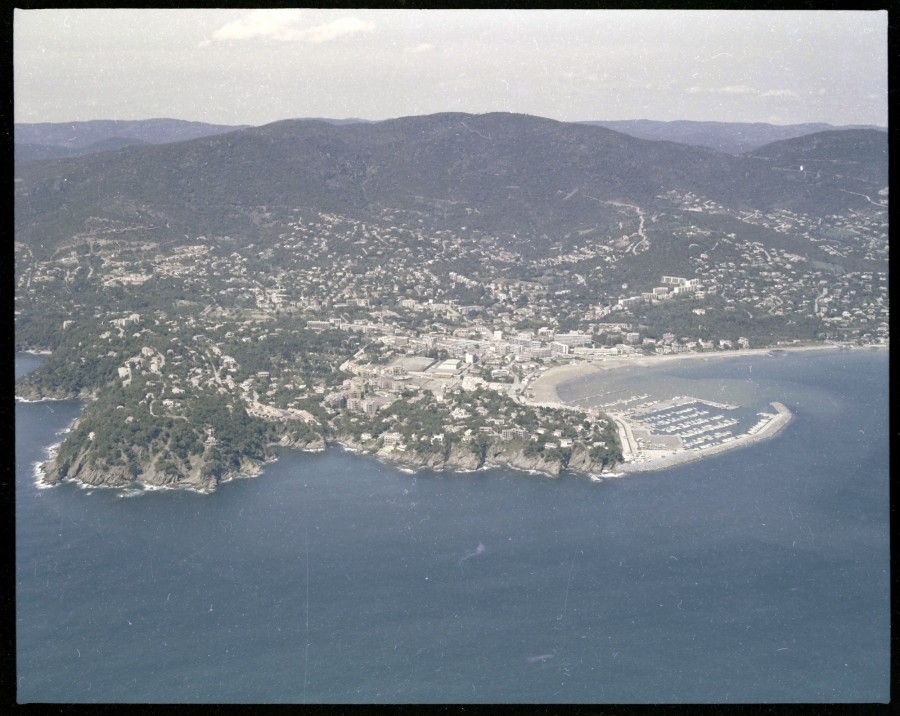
<point x="259" y="66"/>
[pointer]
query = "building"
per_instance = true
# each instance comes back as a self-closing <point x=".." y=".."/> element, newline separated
<point x="448" y="367"/>
<point x="573" y="339"/>
<point x="512" y="434"/>
<point x="318" y="325"/>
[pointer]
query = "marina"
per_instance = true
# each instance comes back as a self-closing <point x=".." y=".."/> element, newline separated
<point x="663" y="418"/>
<point x="663" y="437"/>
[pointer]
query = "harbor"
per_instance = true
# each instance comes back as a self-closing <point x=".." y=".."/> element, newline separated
<point x="658" y="430"/>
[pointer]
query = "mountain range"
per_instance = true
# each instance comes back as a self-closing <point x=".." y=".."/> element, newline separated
<point x="35" y="142"/>
<point x="497" y="173"/>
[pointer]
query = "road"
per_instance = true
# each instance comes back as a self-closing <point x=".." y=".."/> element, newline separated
<point x="816" y="302"/>
<point x="629" y="444"/>
<point x="865" y="196"/>
<point x="640" y="232"/>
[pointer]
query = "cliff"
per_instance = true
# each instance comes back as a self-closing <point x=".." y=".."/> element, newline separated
<point x="82" y="467"/>
<point x="509" y="455"/>
<point x="582" y="462"/>
<point x="517" y="459"/>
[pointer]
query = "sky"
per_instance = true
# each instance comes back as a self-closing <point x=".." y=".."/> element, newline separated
<point x="229" y="66"/>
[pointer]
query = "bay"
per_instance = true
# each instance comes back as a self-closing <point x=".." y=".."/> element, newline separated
<point x="759" y="575"/>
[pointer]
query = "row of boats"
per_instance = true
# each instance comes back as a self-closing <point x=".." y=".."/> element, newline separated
<point x="693" y="425"/>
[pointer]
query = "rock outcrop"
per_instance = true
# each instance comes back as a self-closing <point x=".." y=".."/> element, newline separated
<point x="316" y="444"/>
<point x="462" y="458"/>
<point x="517" y="459"/>
<point x="582" y="462"/>
<point x="79" y="469"/>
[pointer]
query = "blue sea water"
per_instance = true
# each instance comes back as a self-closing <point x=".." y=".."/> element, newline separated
<point x="759" y="575"/>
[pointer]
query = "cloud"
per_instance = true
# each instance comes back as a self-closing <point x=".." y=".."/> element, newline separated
<point x="421" y="47"/>
<point x="271" y="24"/>
<point x="743" y="89"/>
<point x="285" y="26"/>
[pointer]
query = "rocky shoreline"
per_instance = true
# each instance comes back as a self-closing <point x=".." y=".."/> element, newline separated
<point x="117" y="475"/>
<point x="150" y="478"/>
<point x="30" y="394"/>
<point x="461" y="459"/>
<point x="458" y="459"/>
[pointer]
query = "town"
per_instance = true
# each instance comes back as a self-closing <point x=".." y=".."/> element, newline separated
<point x="420" y="345"/>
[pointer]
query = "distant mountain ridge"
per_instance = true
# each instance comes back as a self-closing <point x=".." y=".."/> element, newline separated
<point x="346" y="120"/>
<point x="728" y="137"/>
<point x="497" y="172"/>
<point x="80" y="135"/>
<point x="39" y="152"/>
<point x="57" y="140"/>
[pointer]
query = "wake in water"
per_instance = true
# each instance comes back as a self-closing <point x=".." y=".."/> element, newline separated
<point x="468" y="555"/>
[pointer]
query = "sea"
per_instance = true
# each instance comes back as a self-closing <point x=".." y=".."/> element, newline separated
<point x="760" y="575"/>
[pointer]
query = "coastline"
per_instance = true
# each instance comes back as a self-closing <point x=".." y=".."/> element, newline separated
<point x="545" y="390"/>
<point x="545" y="387"/>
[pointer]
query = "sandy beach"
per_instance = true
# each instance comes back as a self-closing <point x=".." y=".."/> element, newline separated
<point x="544" y="389"/>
